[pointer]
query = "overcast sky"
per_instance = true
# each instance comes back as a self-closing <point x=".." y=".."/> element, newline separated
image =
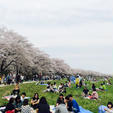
<point x="78" y="31"/>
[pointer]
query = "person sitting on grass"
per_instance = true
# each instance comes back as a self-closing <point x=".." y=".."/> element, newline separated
<point x="25" y="107"/>
<point x="85" y="92"/>
<point x="55" y="87"/>
<point x="43" y="106"/>
<point x="60" y="99"/>
<point x="66" y="84"/>
<point x="103" y="87"/>
<point x="75" y="105"/>
<point x="68" y="104"/>
<point x="51" y="88"/>
<point x="109" y="108"/>
<point x="23" y="96"/>
<point x="109" y="82"/>
<point x="16" y="90"/>
<point x="35" y="101"/>
<point x="17" y="104"/>
<point x="94" y="95"/>
<point x="42" y="82"/>
<point x="60" y="88"/>
<point x="10" y="108"/>
<point x="63" y="89"/>
<point x="69" y="84"/>
<point x="93" y="87"/>
<point x="61" y="108"/>
<point x="48" y="87"/>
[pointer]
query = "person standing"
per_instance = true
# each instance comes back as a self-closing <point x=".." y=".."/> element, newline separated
<point x="77" y="81"/>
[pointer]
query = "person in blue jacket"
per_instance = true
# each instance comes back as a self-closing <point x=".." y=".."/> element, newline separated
<point x="75" y="105"/>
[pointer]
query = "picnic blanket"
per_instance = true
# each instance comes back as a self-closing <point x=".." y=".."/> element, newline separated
<point x="101" y="109"/>
<point x="82" y="110"/>
<point x="8" y="97"/>
<point x="52" y="109"/>
<point x="12" y="96"/>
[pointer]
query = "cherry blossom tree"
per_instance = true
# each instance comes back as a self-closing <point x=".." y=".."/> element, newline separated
<point x="20" y="56"/>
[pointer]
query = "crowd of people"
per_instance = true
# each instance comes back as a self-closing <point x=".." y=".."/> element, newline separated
<point x="23" y="104"/>
<point x="94" y="95"/>
<point x="60" y="89"/>
<point x="11" y="78"/>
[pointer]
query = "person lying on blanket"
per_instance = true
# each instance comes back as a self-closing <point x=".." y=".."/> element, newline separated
<point x="110" y="108"/>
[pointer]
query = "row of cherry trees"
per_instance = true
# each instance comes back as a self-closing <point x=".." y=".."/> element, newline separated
<point x="18" y="55"/>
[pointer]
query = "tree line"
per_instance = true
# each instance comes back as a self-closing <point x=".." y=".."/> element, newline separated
<point x="18" y="55"/>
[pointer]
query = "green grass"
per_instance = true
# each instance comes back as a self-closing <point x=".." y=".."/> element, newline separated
<point x="91" y="105"/>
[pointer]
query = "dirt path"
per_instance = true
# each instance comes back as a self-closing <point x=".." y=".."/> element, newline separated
<point x="2" y="85"/>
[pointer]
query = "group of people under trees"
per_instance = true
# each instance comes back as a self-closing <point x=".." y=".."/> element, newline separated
<point x="11" y="78"/>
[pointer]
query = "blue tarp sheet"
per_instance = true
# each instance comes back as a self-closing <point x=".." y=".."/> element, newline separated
<point x="72" y="79"/>
<point x="82" y="110"/>
<point x="101" y="109"/>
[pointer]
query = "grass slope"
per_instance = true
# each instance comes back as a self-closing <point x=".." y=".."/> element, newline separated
<point x="91" y="105"/>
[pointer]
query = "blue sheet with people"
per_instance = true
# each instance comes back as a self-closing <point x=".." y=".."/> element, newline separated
<point x="82" y="110"/>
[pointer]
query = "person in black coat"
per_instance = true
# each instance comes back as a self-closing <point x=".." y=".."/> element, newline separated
<point x="10" y="106"/>
<point x="60" y="99"/>
<point x="43" y="106"/>
<point x="93" y="87"/>
<point x="69" y="104"/>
